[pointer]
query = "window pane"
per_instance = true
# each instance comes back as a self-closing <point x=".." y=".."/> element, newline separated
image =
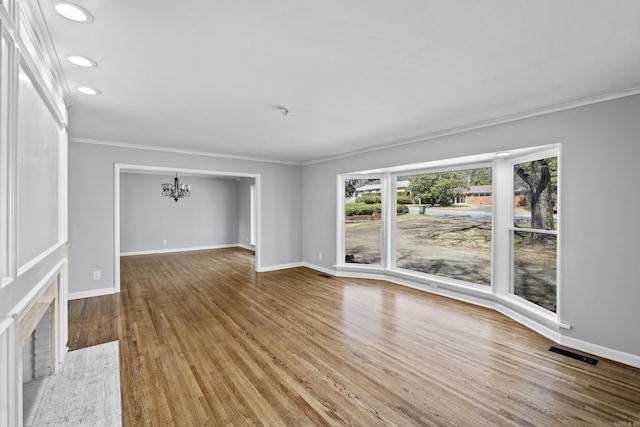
<point x="534" y="267"/>
<point x="535" y="194"/>
<point x="445" y="228"/>
<point x="363" y="224"/>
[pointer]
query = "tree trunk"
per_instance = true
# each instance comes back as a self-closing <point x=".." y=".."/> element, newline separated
<point x="538" y="179"/>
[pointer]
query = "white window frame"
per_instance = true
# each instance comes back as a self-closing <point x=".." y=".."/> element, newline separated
<point x="507" y="294"/>
<point x="455" y="166"/>
<point x="340" y="249"/>
<point x="502" y="213"/>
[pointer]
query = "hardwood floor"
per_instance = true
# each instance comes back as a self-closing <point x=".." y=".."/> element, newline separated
<point x="205" y="341"/>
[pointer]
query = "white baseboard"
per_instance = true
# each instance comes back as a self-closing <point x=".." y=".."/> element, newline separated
<point x="164" y="251"/>
<point x="94" y="293"/>
<point x="329" y="271"/>
<point x="248" y="247"/>
<point x="544" y="330"/>
<point x="598" y="350"/>
<point x="279" y="267"/>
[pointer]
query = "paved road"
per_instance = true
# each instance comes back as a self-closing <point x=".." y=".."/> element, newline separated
<point x="481" y="212"/>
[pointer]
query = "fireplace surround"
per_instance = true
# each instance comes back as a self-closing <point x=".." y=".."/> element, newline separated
<point x="38" y="329"/>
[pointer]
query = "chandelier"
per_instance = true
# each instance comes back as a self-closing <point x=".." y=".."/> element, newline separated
<point x="176" y="190"/>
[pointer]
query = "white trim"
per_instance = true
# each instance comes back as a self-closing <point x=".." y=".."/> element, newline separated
<point x="165" y="251"/>
<point x="258" y="221"/>
<point x="356" y="271"/>
<point x="27" y="266"/>
<point x="94" y="293"/>
<point x="479" y="295"/>
<point x="8" y="377"/>
<point x="488" y="123"/>
<point x="252" y="214"/>
<point x="177" y="151"/>
<point x="320" y="269"/>
<point x="340" y="218"/>
<point x="545" y="330"/>
<point x="124" y="167"/>
<point x="599" y="350"/>
<point x="63" y="309"/>
<point x="33" y="294"/>
<point x="279" y="267"/>
<point x="33" y="61"/>
<point x="542" y="314"/>
<point x="63" y="185"/>
<point x="529" y="310"/>
<point x="559" y="238"/>
<point x="10" y="199"/>
<point x="116" y="227"/>
<point x="248" y="247"/>
<point x="483" y="299"/>
<point x="5" y="16"/>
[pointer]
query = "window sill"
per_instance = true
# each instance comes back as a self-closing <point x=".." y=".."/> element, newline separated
<point x="531" y="311"/>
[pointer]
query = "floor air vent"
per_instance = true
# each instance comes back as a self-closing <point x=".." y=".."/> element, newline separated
<point x="573" y="355"/>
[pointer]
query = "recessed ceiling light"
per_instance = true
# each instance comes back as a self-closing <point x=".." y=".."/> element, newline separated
<point x="73" y="12"/>
<point x="88" y="90"/>
<point x="82" y="61"/>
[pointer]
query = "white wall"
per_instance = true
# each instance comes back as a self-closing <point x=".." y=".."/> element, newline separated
<point x="209" y="217"/>
<point x="599" y="279"/>
<point x="33" y="154"/>
<point x="91" y="207"/>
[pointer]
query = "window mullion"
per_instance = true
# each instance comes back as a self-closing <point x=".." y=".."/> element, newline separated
<point x="389" y="220"/>
<point x="502" y="214"/>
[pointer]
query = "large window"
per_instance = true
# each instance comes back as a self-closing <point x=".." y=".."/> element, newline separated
<point x="363" y="220"/>
<point x="483" y="222"/>
<point x="534" y="232"/>
<point x="445" y="229"/>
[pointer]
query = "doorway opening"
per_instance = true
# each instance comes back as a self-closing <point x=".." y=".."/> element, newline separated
<point x="253" y="217"/>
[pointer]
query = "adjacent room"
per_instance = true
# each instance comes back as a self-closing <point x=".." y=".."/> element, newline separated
<point x="319" y="213"/>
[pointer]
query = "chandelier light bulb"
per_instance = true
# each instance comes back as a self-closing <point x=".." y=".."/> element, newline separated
<point x="176" y="190"/>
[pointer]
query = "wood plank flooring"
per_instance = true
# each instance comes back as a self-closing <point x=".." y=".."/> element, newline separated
<point x="206" y="341"/>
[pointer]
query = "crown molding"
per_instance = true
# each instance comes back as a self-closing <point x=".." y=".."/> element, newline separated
<point x="177" y="151"/>
<point x="488" y="123"/>
<point x="35" y="15"/>
<point x="423" y="138"/>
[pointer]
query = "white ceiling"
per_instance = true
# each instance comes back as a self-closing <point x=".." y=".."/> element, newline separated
<point x="209" y="75"/>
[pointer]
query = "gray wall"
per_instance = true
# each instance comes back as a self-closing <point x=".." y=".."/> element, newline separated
<point x="209" y="217"/>
<point x="244" y="211"/>
<point x="600" y="290"/>
<point x="91" y="207"/>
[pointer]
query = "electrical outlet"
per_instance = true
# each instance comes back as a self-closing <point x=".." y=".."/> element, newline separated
<point x="164" y="241"/>
<point x="96" y="275"/>
<point x="320" y="255"/>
